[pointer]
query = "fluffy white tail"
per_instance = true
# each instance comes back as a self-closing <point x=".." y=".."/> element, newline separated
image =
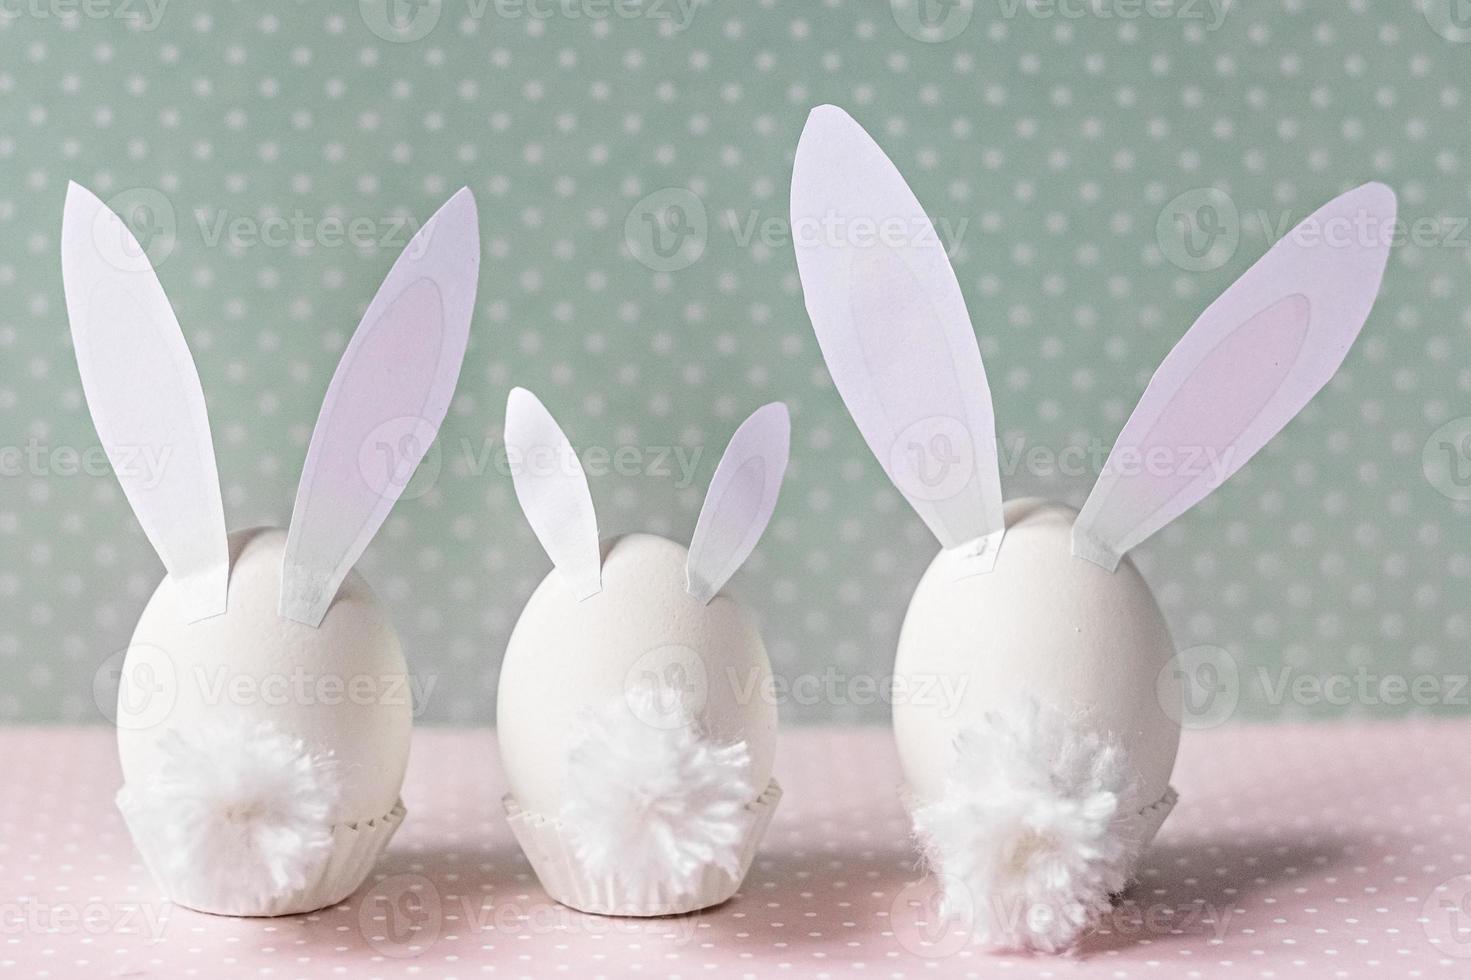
<point x="247" y="808"/>
<point x="1029" y="838"/>
<point x="651" y="800"/>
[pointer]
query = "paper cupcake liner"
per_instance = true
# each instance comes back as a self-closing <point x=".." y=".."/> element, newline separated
<point x="549" y="847"/>
<point x="356" y="847"/>
<point x="1148" y="820"/>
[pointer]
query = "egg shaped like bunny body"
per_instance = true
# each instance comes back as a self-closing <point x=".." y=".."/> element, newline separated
<point x="264" y="711"/>
<point x="1042" y="627"/>
<point x="642" y="639"/>
<point x="1038" y="720"/>
<point x="636" y="712"/>
<point x="338" y="694"/>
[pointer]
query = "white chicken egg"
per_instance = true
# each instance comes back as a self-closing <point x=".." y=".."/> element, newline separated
<point x="1041" y="625"/>
<point x="264" y="707"/>
<point x="1040" y="710"/>
<point x="342" y="688"/>
<point x="637" y="711"/>
<point x="567" y="657"/>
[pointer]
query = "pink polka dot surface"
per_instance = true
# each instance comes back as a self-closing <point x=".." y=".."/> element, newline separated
<point x="1318" y="851"/>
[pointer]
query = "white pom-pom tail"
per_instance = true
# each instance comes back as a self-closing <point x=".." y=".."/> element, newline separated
<point x="1030" y="837"/>
<point x="246" y="811"/>
<point x="652" y="801"/>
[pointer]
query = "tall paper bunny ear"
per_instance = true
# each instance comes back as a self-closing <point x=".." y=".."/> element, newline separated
<point x="383" y="407"/>
<point x="893" y="328"/>
<point x="145" y="398"/>
<point x="552" y="489"/>
<point x="741" y="498"/>
<point x="1255" y="357"/>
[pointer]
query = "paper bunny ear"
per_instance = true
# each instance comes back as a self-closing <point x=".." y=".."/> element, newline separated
<point x="551" y="487"/>
<point x="1255" y="357"/>
<point x="740" y="500"/>
<point x="383" y="407"/>
<point x="894" y="331"/>
<point x="145" y="398"/>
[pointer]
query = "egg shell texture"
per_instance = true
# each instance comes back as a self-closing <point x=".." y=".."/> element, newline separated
<point x="342" y="688"/>
<point x="566" y="656"/>
<point x="1043" y="624"/>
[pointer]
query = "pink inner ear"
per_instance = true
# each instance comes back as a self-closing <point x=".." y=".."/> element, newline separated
<point x="384" y="388"/>
<point x="370" y="437"/>
<point x="1195" y="433"/>
<point x="735" y="517"/>
<point x="923" y="426"/>
<point x="740" y="501"/>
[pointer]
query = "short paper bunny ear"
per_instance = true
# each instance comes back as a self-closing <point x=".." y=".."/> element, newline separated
<point x="1255" y="357"/>
<point x="741" y="498"/>
<point x="383" y="407"/>
<point x="145" y="398"/>
<point x="552" y="489"/>
<point x="892" y="324"/>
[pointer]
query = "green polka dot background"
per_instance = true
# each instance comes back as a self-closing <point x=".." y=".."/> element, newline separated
<point x="1099" y="171"/>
